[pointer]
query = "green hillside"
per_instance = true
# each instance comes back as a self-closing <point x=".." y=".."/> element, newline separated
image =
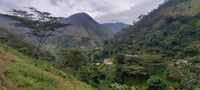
<point x="76" y="36"/>
<point x="165" y="43"/>
<point x="83" y="33"/>
<point x="161" y="33"/>
<point x="161" y="51"/>
<point x="19" y="71"/>
<point x="180" y="7"/>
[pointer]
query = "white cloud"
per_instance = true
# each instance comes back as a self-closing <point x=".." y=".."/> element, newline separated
<point x="102" y="10"/>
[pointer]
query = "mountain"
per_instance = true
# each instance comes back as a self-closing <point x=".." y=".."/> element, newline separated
<point x="7" y="21"/>
<point x="170" y="29"/>
<point x="84" y="32"/>
<point x="165" y="43"/>
<point x="116" y="27"/>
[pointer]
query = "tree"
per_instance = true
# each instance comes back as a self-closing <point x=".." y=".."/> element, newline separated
<point x="74" y="58"/>
<point x="191" y="78"/>
<point x="191" y="51"/>
<point x="135" y="70"/>
<point x="41" y="25"/>
<point x="195" y="60"/>
<point x="119" y="58"/>
<point x="134" y="74"/>
<point x="157" y="83"/>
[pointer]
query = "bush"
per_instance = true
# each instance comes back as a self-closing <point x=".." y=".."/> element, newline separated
<point x="174" y="75"/>
<point x="191" y="51"/>
<point x="195" y="60"/>
<point x="74" y="58"/>
<point x="134" y="74"/>
<point x="117" y="86"/>
<point x="119" y="58"/>
<point x="26" y="82"/>
<point x="169" y="53"/>
<point x="156" y="83"/>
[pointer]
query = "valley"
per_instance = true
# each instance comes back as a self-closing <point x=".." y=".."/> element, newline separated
<point x="161" y="51"/>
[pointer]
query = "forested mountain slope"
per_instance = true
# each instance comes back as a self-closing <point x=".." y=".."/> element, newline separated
<point x="165" y="43"/>
<point x="172" y="30"/>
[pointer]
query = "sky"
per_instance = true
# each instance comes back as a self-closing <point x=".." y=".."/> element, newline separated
<point x="103" y="11"/>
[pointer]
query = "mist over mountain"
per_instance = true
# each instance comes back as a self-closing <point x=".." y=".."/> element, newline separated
<point x="116" y="27"/>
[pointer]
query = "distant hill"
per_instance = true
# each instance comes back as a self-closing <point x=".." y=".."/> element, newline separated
<point x="6" y="21"/>
<point x="116" y="27"/>
<point x="84" y="32"/>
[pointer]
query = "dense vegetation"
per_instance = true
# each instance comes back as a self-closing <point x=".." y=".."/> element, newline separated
<point x="159" y="52"/>
<point x="161" y="45"/>
<point x="174" y="36"/>
<point x="18" y="69"/>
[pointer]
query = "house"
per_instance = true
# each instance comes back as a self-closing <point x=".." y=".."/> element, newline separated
<point x="98" y="64"/>
<point x="182" y="61"/>
<point x="128" y="55"/>
<point x="108" y="61"/>
<point x="98" y="48"/>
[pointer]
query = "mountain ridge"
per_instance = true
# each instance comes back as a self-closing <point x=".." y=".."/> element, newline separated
<point x="159" y="42"/>
<point x="116" y="27"/>
<point x="77" y="18"/>
<point x="84" y="31"/>
<point x="158" y="22"/>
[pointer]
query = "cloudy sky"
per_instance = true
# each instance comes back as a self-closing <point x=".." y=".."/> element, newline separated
<point x="104" y="11"/>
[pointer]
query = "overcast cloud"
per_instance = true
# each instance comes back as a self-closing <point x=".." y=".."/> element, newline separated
<point x="104" y="11"/>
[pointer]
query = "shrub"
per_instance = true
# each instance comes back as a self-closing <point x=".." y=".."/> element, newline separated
<point x="74" y="58"/>
<point x="119" y="58"/>
<point x="191" y="51"/>
<point x="195" y="60"/>
<point x="26" y="82"/>
<point x="117" y="86"/>
<point x="156" y="83"/>
<point x="174" y="74"/>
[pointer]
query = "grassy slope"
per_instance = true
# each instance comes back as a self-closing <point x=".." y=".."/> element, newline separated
<point x="76" y="33"/>
<point x="19" y="72"/>
<point x="187" y="8"/>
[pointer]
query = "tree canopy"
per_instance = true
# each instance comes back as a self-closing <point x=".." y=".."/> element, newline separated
<point x="74" y="58"/>
<point x="41" y="25"/>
